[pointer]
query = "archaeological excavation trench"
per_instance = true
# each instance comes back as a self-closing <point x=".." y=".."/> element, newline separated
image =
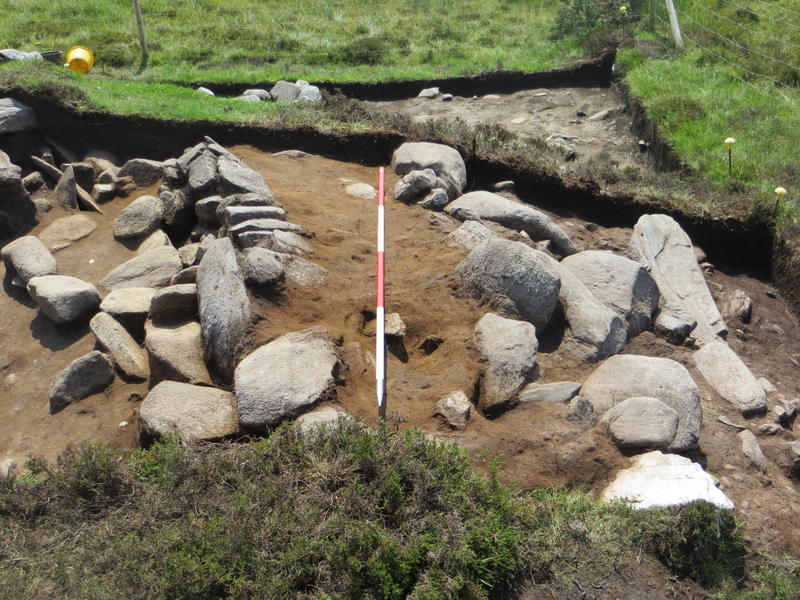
<point x="228" y="286"/>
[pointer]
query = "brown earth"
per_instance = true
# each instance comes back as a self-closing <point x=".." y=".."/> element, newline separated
<point x="535" y="444"/>
<point x="562" y="114"/>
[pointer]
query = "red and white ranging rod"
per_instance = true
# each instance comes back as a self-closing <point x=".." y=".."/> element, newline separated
<point x="380" y="333"/>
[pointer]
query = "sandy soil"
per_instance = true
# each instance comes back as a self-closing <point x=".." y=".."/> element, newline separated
<point x="561" y="114"/>
<point x="536" y="445"/>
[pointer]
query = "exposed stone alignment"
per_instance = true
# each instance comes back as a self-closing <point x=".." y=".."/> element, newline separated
<point x="179" y="316"/>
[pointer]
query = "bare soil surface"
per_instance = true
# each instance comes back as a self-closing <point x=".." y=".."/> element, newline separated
<point x="535" y="443"/>
<point x="562" y="115"/>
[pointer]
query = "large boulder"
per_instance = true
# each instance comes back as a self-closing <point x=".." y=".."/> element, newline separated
<point x="665" y="250"/>
<point x="224" y="307"/>
<point x="130" y="358"/>
<point x="139" y="218"/>
<point x="193" y="412"/>
<point x="514" y="215"/>
<point x="16" y="116"/>
<point x="29" y="258"/>
<point x="176" y="353"/>
<point x="445" y="161"/>
<point x="142" y="171"/>
<point x="63" y="299"/>
<point x="508" y="350"/>
<point x="513" y="276"/>
<point x="641" y="424"/>
<point x="729" y="376"/>
<point x="620" y="283"/>
<point x="286" y="377"/>
<point x="630" y="376"/>
<point x="87" y="375"/>
<point x="594" y="331"/>
<point x="154" y="268"/>
<point x="657" y="480"/>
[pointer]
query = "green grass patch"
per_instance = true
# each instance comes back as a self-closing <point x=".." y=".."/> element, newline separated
<point x="336" y="40"/>
<point x="348" y="512"/>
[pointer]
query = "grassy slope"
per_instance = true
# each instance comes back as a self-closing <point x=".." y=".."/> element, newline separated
<point x="704" y="95"/>
<point x="353" y="513"/>
<point x="242" y="40"/>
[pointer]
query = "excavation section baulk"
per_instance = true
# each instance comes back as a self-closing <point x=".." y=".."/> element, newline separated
<point x="538" y="442"/>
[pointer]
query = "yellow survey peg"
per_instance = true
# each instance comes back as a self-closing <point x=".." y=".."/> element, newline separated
<point x="79" y="59"/>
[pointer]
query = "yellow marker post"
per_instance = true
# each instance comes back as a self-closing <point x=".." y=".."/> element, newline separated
<point x="729" y="142"/>
<point x="780" y="192"/>
<point x="79" y="59"/>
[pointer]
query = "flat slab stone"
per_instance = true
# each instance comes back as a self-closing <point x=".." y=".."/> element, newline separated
<point x="508" y="349"/>
<point x="469" y="235"/>
<point x="729" y="376"/>
<point x="559" y="391"/>
<point x="193" y="412"/>
<point x="657" y="480"/>
<point x="66" y="231"/>
<point x="641" y="423"/>
<point x="130" y="358"/>
<point x="659" y="243"/>
<point x="154" y="268"/>
<point x="128" y="302"/>
<point x="174" y="302"/>
<point x="284" y="378"/>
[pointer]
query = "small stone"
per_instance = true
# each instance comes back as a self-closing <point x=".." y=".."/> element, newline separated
<point x="766" y="385"/>
<point x="258" y="92"/>
<point x="752" y="450"/>
<point x="141" y="217"/>
<point x="726" y="421"/>
<point x="559" y="391"/>
<point x="436" y="200"/>
<point x="769" y="429"/>
<point x="66" y="190"/>
<point x="737" y="306"/>
<point x="327" y="416"/>
<point x="174" y="303"/>
<point x="85" y="376"/>
<point x="429" y="93"/>
<point x="142" y="171"/>
<point x="394" y="325"/>
<point x="503" y="186"/>
<point x="455" y="408"/>
<point x="447" y="97"/>
<point x="205" y="90"/>
<point x="361" y="190"/>
<point x="581" y="411"/>
<point x="250" y="99"/>
<point x="123" y="424"/>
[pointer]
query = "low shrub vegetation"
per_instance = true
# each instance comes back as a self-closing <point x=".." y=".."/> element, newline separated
<point x="347" y="512"/>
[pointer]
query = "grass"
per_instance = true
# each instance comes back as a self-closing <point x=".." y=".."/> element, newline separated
<point x="724" y="86"/>
<point x="336" y="40"/>
<point x="345" y="513"/>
